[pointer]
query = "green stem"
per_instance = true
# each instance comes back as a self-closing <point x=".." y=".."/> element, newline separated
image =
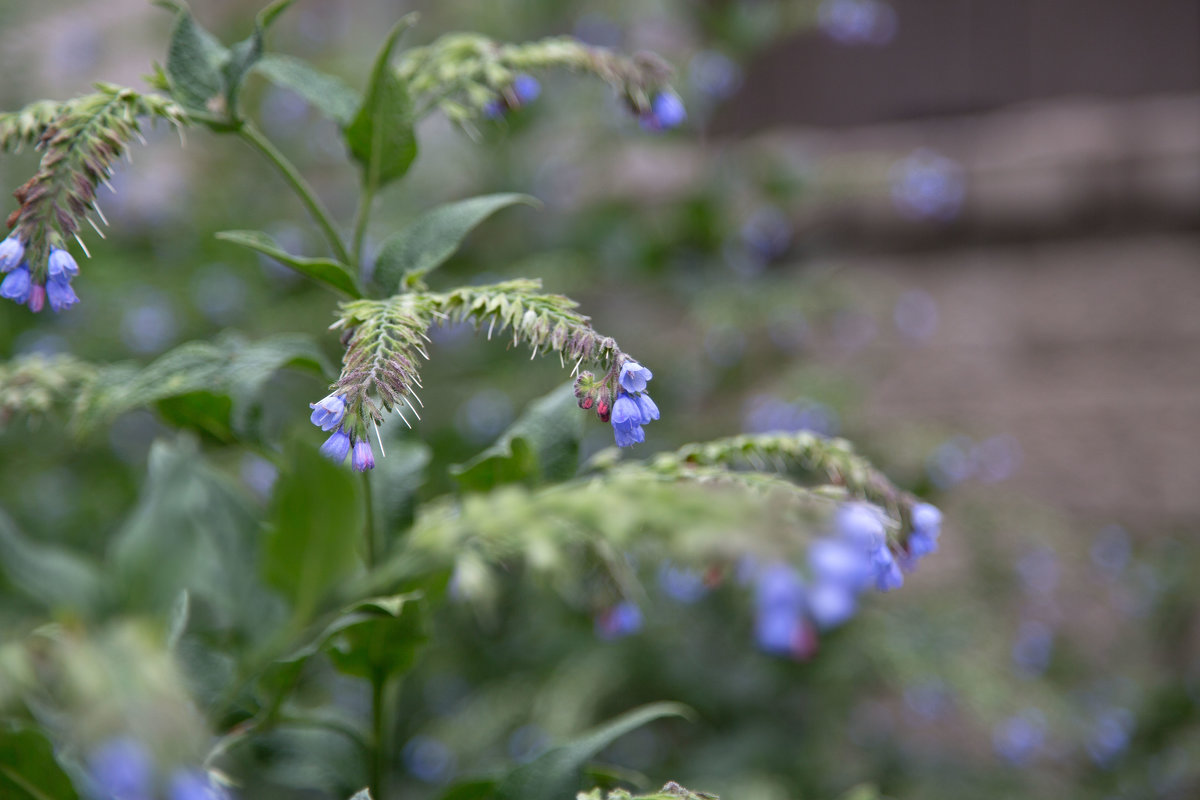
<point x="379" y="735"/>
<point x="304" y="191"/>
<point x="360" y="222"/>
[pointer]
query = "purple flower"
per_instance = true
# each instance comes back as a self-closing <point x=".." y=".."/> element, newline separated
<point x="16" y="284"/>
<point x="666" y="111"/>
<point x="327" y="414"/>
<point x="633" y="376"/>
<point x="627" y="421"/>
<point x="60" y="294"/>
<point x="190" y="784"/>
<point x="838" y="562"/>
<point x="1018" y="738"/>
<point x="62" y="266"/>
<point x="887" y="572"/>
<point x="627" y="435"/>
<point x="12" y="250"/>
<point x="428" y="759"/>
<point x="363" y="458"/>
<point x="122" y="769"/>
<point x="927" y="518"/>
<point x="646" y="407"/>
<point x="37" y="297"/>
<point x="831" y="604"/>
<point x="860" y="524"/>
<point x="1110" y="736"/>
<point x="779" y="586"/>
<point x="336" y="446"/>
<point x="1033" y="647"/>
<point x="526" y="88"/>
<point x="682" y="584"/>
<point x="623" y="619"/>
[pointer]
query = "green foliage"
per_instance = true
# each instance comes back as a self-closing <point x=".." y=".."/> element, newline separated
<point x="35" y="385"/>
<point x="54" y="578"/>
<point x="407" y="256"/>
<point x="310" y="543"/>
<point x="324" y="92"/>
<point x="331" y="273"/>
<point x="194" y="63"/>
<point x="26" y="126"/>
<point x="202" y="373"/>
<point x="28" y="769"/>
<point x="543" y="444"/>
<point x="381" y="136"/>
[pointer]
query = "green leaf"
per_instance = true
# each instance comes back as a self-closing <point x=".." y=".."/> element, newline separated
<point x="28" y="769"/>
<point x="380" y="639"/>
<point x="472" y="789"/>
<point x="381" y="136"/>
<point x="190" y="531"/>
<point x="195" y="60"/>
<point x="543" y="444"/>
<point x="246" y="53"/>
<point x="325" y="270"/>
<point x="50" y="576"/>
<point x="324" y="92"/>
<point x="425" y="244"/>
<point x="396" y="479"/>
<point x="556" y="773"/>
<point x="212" y="386"/>
<point x="315" y="528"/>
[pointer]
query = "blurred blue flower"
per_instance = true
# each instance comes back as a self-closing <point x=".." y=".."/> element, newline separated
<point x="831" y="603"/>
<point x="1038" y="571"/>
<point x="61" y="266"/>
<point x="633" y="376"/>
<point x="363" y="458"/>
<point x="860" y="524"/>
<point x="191" y="784"/>
<point x="927" y="185"/>
<point x="150" y="324"/>
<point x="767" y="232"/>
<point x="623" y="619"/>
<point x="857" y="21"/>
<point x="887" y="572"/>
<point x="1018" y="738"/>
<point x="1033" y="647"/>
<point x="526" y="88"/>
<point x="12" y="251"/>
<point x="1109" y="736"/>
<point x="1111" y="550"/>
<point x="681" y="583"/>
<point x="60" y="294"/>
<point x="714" y="74"/>
<point x="428" y="759"/>
<point x="840" y="563"/>
<point x="16" y="283"/>
<point x="666" y="111"/>
<point x="337" y="446"/>
<point x="328" y="412"/>
<point x="122" y="769"/>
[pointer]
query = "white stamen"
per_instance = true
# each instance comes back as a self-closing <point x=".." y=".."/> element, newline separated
<point x="414" y="408"/>
<point x="99" y="213"/>
<point x="82" y="246"/>
<point x="378" y="439"/>
<point x="490" y="326"/>
<point x="140" y="138"/>
<point x="96" y="227"/>
<point x="401" y="413"/>
<point x="577" y="363"/>
<point x="535" y="349"/>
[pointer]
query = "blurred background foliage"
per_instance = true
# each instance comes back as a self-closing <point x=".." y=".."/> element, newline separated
<point x="773" y="282"/>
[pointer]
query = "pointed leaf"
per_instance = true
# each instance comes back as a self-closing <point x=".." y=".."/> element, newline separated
<point x="556" y="773"/>
<point x="425" y="244"/>
<point x="194" y="61"/>
<point x="316" y="524"/>
<point x="246" y="53"/>
<point x="28" y="769"/>
<point x="542" y="444"/>
<point x="381" y="136"/>
<point x="324" y="92"/>
<point x="325" y="270"/>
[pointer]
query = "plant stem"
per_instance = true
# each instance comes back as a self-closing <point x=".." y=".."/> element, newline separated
<point x="379" y="735"/>
<point x="360" y="222"/>
<point x="303" y="190"/>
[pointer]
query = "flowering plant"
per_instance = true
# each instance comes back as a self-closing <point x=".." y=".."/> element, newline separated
<point x="182" y="661"/>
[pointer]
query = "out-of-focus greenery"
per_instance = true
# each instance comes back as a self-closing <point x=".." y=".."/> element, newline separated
<point x="1028" y="659"/>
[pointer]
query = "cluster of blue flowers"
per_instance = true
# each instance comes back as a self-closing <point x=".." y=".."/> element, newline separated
<point x="524" y="90"/>
<point x="122" y="768"/>
<point x="22" y="285"/>
<point x="327" y="415"/>
<point x="790" y="611"/>
<point x="632" y="408"/>
<point x="623" y="619"/>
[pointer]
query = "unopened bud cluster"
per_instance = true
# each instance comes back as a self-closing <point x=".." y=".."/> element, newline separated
<point x="620" y="398"/>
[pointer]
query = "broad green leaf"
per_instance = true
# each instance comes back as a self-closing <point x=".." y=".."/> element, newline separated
<point x="315" y="529"/>
<point x="556" y="773"/>
<point x="397" y="478"/>
<point x="381" y="136"/>
<point x="195" y="60"/>
<point x="425" y="244"/>
<point x="53" y="577"/>
<point x="324" y="92"/>
<point x="246" y="53"/>
<point x="28" y="769"/>
<point x="473" y="789"/>
<point x="212" y="386"/>
<point x="190" y="531"/>
<point x="325" y="270"/>
<point x="543" y="444"/>
<point x="380" y="640"/>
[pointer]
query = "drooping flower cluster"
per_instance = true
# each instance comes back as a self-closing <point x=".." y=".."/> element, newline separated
<point x="33" y="287"/>
<point x="620" y="397"/>
<point x="789" y="611"/>
<point x="329" y="414"/>
<point x="666" y="111"/>
<point x="124" y="768"/>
